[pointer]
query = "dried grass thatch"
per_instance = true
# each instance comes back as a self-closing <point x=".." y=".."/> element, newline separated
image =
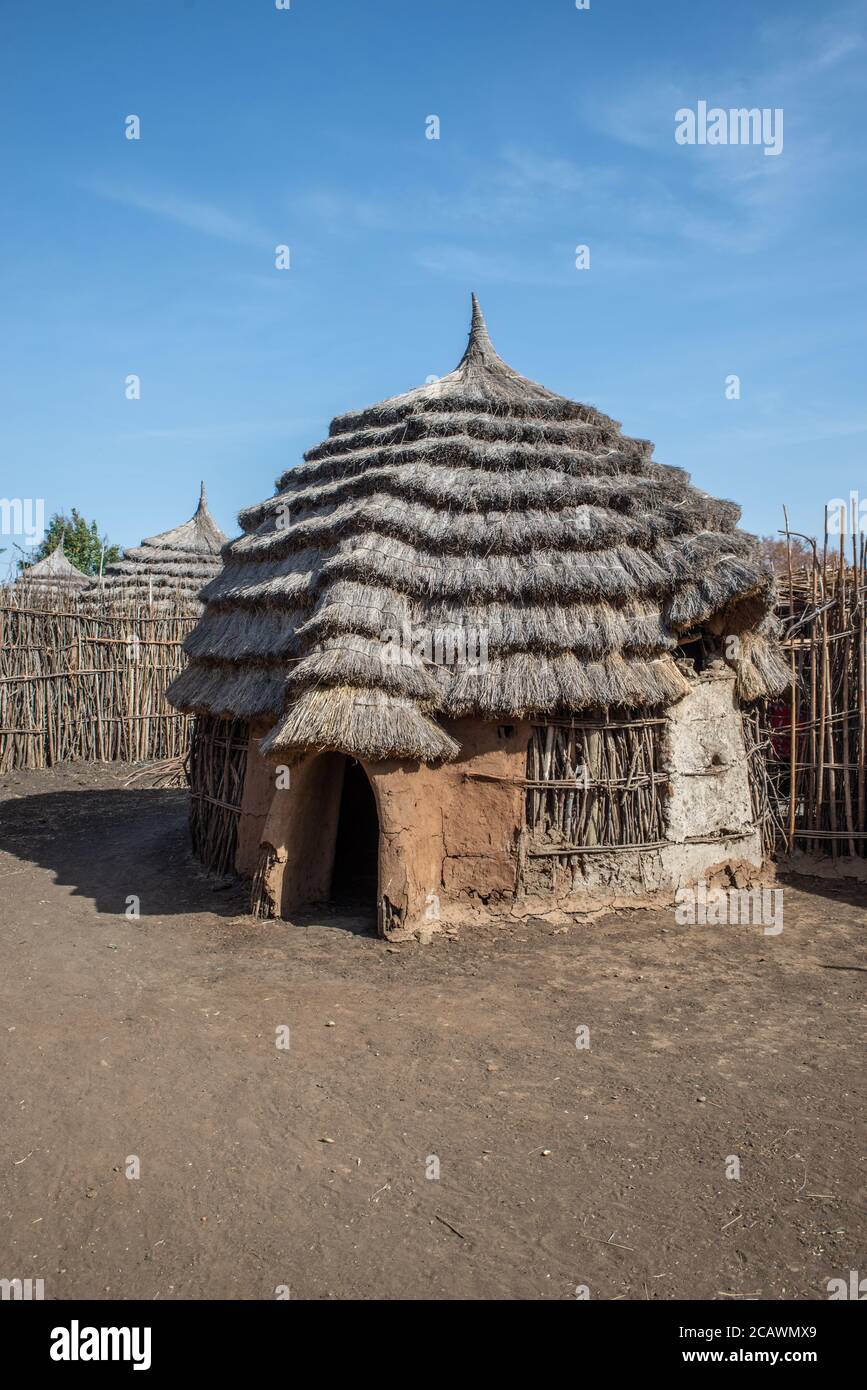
<point x="175" y="563"/>
<point x="483" y="504"/>
<point x="54" y="574"/>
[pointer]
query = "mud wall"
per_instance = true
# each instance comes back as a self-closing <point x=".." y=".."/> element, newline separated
<point x="290" y="813"/>
<point x="449" y="835"/>
<point x="452" y="840"/>
<point x="255" y="803"/>
<point x="446" y="833"/>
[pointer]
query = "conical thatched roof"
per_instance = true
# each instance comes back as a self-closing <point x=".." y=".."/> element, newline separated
<point x="180" y="560"/>
<point x="55" y="571"/>
<point x="482" y="502"/>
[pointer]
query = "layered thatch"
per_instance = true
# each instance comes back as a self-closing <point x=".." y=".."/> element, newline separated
<point x="176" y="562"/>
<point x="55" y="574"/>
<point x="483" y="505"/>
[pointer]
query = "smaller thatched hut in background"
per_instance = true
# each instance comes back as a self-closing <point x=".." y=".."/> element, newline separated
<point x="175" y="562"/>
<point x="55" y="574"/>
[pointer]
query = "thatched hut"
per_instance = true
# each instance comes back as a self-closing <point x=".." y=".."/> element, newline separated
<point x="483" y="653"/>
<point x="174" y="563"/>
<point x="55" y="574"/>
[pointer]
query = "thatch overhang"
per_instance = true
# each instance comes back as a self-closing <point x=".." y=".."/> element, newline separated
<point x="55" y="572"/>
<point x="482" y="503"/>
<point x="179" y="561"/>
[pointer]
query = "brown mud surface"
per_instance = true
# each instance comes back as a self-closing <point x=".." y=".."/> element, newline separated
<point x="156" y="1037"/>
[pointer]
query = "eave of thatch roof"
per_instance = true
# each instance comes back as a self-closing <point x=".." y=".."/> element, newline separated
<point x="482" y="502"/>
<point x="181" y="560"/>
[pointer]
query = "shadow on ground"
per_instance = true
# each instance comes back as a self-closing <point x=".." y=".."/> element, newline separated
<point x="107" y="845"/>
<point x="849" y="890"/>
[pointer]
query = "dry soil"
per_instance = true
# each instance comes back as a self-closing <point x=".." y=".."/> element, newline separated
<point x="155" y="1037"/>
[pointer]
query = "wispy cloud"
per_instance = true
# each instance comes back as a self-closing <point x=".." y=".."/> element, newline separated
<point x="675" y="204"/>
<point x="542" y="263"/>
<point x="813" y="47"/>
<point x="343" y="212"/>
<point x="727" y="198"/>
<point x="803" y="429"/>
<point x="199" y="216"/>
<point x="240" y="429"/>
<point x="469" y="266"/>
<point x="484" y="198"/>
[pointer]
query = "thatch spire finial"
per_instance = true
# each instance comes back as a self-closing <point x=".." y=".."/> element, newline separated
<point x="203" y="501"/>
<point x="480" y="349"/>
<point x="478" y="327"/>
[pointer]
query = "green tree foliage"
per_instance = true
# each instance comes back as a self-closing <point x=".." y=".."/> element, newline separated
<point x="82" y="543"/>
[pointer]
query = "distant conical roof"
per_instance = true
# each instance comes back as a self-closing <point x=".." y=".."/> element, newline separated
<point x="182" y="559"/>
<point x="200" y="536"/>
<point x="55" y="571"/>
<point x="485" y="507"/>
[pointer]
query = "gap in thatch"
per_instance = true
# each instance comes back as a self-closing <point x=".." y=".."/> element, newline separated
<point x="699" y="647"/>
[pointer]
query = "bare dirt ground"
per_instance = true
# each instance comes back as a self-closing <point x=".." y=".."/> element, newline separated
<point x="155" y="1037"/>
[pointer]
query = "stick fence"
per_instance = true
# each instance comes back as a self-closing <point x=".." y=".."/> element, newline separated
<point x="594" y="783"/>
<point x="217" y="767"/>
<point x="83" y="679"/>
<point x="816" y="736"/>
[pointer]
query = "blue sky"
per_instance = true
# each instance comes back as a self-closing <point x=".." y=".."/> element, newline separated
<point x="307" y="127"/>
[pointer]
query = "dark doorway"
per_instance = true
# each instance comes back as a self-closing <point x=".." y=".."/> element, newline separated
<point x="356" y="852"/>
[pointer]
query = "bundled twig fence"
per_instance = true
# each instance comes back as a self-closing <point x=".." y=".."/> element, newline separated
<point x="595" y="784"/>
<point x="767" y="813"/>
<point x="817" y="736"/>
<point x="83" y="679"/>
<point x="218" y="765"/>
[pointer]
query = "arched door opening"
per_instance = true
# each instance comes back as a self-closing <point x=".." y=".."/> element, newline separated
<point x="354" y="881"/>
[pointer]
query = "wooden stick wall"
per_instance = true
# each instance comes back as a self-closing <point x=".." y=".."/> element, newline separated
<point x="84" y="680"/>
<point x="815" y="737"/>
